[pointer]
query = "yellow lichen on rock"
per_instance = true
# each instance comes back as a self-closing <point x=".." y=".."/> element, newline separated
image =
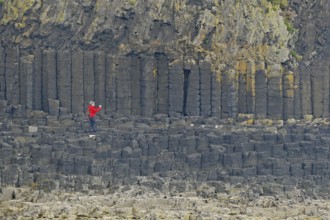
<point x="289" y="82"/>
<point x="15" y="11"/>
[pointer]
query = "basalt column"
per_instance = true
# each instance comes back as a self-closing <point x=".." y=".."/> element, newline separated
<point x="242" y="90"/>
<point x="288" y="95"/>
<point x="274" y="92"/>
<point x="64" y="78"/>
<point x="162" y="84"/>
<point x="89" y="78"/>
<point x="176" y="84"/>
<point x="192" y="99"/>
<point x="100" y="69"/>
<point x="26" y="81"/>
<point x="77" y="82"/>
<point x="2" y="74"/>
<point x="148" y="85"/>
<point x="250" y="87"/>
<point x="297" y="96"/>
<point x="110" y="85"/>
<point x="216" y="94"/>
<point x="205" y="88"/>
<point x="229" y="94"/>
<point x="305" y="90"/>
<point x="123" y="87"/>
<point x="12" y="83"/>
<point x="136" y="85"/>
<point x="320" y="88"/>
<point x="261" y="93"/>
<point x="37" y="79"/>
<point x="49" y="78"/>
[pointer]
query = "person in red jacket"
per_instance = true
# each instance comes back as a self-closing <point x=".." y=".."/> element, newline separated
<point x="91" y="113"/>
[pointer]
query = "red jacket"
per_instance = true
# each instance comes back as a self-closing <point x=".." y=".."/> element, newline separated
<point x="93" y="110"/>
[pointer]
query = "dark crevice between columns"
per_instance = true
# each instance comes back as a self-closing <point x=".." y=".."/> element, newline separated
<point x="185" y="90"/>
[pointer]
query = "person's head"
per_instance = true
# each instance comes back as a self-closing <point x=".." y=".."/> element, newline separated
<point x="92" y="103"/>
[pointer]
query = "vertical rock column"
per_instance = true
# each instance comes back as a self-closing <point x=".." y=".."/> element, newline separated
<point x="100" y="68"/>
<point x="148" y="85"/>
<point x="242" y="87"/>
<point x="49" y="78"/>
<point x="26" y="81"/>
<point x="274" y="92"/>
<point x="305" y="90"/>
<point x="162" y="82"/>
<point x="37" y="80"/>
<point x="216" y="94"/>
<point x="12" y="75"/>
<point x="320" y="88"/>
<point x="64" y="78"/>
<point x="77" y="91"/>
<point x="2" y="74"/>
<point x="136" y="85"/>
<point x="110" y="85"/>
<point x="229" y="94"/>
<point x="192" y="99"/>
<point x="297" y="108"/>
<point x="176" y="82"/>
<point x="261" y="93"/>
<point x="326" y="90"/>
<point x="124" y="89"/>
<point x="205" y="88"/>
<point x="288" y="95"/>
<point x="250" y="87"/>
<point x="89" y="78"/>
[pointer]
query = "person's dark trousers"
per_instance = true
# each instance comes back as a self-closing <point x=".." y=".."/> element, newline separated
<point x="92" y="123"/>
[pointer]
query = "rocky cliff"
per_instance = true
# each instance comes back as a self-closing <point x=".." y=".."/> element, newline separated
<point x="196" y="58"/>
<point x="189" y="88"/>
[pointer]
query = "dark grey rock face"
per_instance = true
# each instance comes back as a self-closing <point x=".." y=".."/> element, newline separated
<point x="178" y="59"/>
<point x="55" y="152"/>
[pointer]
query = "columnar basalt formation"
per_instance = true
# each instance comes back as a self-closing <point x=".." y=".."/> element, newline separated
<point x="214" y="94"/>
<point x="214" y="58"/>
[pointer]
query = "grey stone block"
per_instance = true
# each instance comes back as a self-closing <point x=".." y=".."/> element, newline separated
<point x="233" y="160"/>
<point x="162" y="166"/>
<point x="278" y="151"/>
<point x="194" y="160"/>
<point x="294" y="150"/>
<point x="275" y="98"/>
<point x="54" y="107"/>
<point x="281" y="168"/>
<point x="296" y="170"/>
<point x="263" y="146"/>
<point x="189" y="143"/>
<point x="265" y="167"/>
<point x="249" y="159"/>
<point x="210" y="159"/>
